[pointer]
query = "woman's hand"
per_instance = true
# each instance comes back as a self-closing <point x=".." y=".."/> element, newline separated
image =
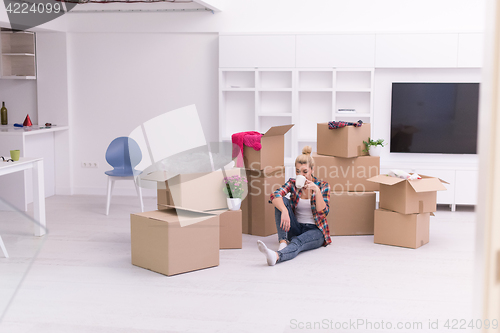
<point x="309" y="185"/>
<point x="285" y="220"/>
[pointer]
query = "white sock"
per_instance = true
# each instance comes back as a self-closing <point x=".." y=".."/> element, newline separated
<point x="270" y="255"/>
<point x="282" y="246"/>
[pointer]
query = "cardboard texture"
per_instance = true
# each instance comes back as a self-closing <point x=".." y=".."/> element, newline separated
<point x="245" y="212"/>
<point x="261" y="183"/>
<point x="347" y="174"/>
<point x="342" y="142"/>
<point x="160" y="244"/>
<point x="351" y="213"/>
<point x="405" y="230"/>
<point x="194" y="191"/>
<point x="272" y="153"/>
<point x="408" y="196"/>
<point x="230" y="226"/>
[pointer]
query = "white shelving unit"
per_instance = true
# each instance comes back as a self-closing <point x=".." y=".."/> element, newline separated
<point x="18" y="60"/>
<point x="255" y="99"/>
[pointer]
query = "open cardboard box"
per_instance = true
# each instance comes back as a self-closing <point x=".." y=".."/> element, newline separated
<point x="408" y="196"/>
<point x="342" y="142"/>
<point x="261" y="184"/>
<point x="347" y="174"/>
<point x="405" y="230"/>
<point x="272" y="153"/>
<point x="352" y="213"/>
<point x="172" y="241"/>
<point x="194" y="191"/>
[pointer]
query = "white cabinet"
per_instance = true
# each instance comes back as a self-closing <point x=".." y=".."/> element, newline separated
<point x="336" y="50"/>
<point x="416" y="50"/>
<point x="257" y="51"/>
<point x="255" y="99"/>
<point x="470" y="50"/>
<point x="18" y="55"/>
<point x="466" y="187"/>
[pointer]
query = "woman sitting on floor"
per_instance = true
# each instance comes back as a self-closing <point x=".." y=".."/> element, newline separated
<point x="301" y="221"/>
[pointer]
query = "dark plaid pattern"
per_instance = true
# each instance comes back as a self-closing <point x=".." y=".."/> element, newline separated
<point x="340" y="124"/>
<point x="319" y="216"/>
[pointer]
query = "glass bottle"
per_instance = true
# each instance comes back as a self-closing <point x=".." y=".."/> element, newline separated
<point x="3" y="112"/>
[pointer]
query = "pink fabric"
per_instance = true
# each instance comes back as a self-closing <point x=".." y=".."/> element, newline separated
<point x="249" y="139"/>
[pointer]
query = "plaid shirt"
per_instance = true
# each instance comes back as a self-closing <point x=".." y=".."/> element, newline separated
<point x="319" y="217"/>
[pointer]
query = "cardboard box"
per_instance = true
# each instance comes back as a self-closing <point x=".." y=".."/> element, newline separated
<point x="342" y="142"/>
<point x="230" y="226"/>
<point x="347" y="174"/>
<point x="272" y="153"/>
<point x="194" y="191"/>
<point x="245" y="216"/>
<point x="408" y="196"/>
<point x="406" y="230"/>
<point x="352" y="213"/>
<point x="161" y="244"/>
<point x="261" y="184"/>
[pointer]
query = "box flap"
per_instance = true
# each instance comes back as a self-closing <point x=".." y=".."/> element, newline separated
<point x="188" y="210"/>
<point x="427" y="184"/>
<point x="159" y="176"/>
<point x="386" y="180"/>
<point x="278" y="130"/>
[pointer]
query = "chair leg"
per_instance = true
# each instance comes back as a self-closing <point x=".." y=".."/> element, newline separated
<point x="2" y="245"/>
<point x="111" y="183"/>
<point x="137" y="183"/>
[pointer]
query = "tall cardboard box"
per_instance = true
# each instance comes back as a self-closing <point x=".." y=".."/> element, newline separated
<point x="351" y="213"/>
<point x="194" y="191"/>
<point x="347" y="174"/>
<point x="408" y="196"/>
<point x="406" y="230"/>
<point x="342" y="142"/>
<point x="230" y="227"/>
<point x="159" y="242"/>
<point x="261" y="184"/>
<point x="272" y="153"/>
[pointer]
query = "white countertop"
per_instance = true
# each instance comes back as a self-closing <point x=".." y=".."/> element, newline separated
<point x="32" y="130"/>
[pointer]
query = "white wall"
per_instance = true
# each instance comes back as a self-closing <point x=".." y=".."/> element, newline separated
<point x="20" y="99"/>
<point x="299" y="16"/>
<point x="382" y="108"/>
<point x="119" y="81"/>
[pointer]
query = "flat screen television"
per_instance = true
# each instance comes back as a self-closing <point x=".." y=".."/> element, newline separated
<point x="434" y="118"/>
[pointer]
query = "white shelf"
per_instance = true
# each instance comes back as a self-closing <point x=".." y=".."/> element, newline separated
<point x="275" y="114"/>
<point x="19" y="77"/>
<point x="238" y="89"/>
<point x="301" y="96"/>
<point x="316" y="90"/>
<point x="354" y="90"/>
<point x="352" y="115"/>
<point x="274" y="89"/>
<point x="18" y="55"/>
<point x="307" y="139"/>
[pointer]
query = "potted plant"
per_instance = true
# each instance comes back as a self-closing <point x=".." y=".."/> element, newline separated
<point x="234" y="187"/>
<point x="373" y="147"/>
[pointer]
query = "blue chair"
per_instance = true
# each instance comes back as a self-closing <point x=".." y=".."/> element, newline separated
<point x="123" y="154"/>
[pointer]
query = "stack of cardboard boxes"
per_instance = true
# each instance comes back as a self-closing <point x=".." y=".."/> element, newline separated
<point x="190" y="226"/>
<point x="340" y="161"/>
<point x="265" y="172"/>
<point x="405" y="210"/>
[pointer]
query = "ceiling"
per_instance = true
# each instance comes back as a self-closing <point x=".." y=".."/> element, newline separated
<point x="123" y="6"/>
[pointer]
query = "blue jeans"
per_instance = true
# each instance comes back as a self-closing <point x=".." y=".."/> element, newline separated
<point x="302" y="236"/>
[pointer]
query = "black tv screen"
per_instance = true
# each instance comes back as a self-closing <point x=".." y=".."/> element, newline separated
<point x="434" y="118"/>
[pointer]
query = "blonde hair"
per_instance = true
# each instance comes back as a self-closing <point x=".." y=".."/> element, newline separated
<point x="305" y="157"/>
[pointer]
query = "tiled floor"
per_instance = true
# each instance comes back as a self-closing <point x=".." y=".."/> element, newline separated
<point x="82" y="280"/>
